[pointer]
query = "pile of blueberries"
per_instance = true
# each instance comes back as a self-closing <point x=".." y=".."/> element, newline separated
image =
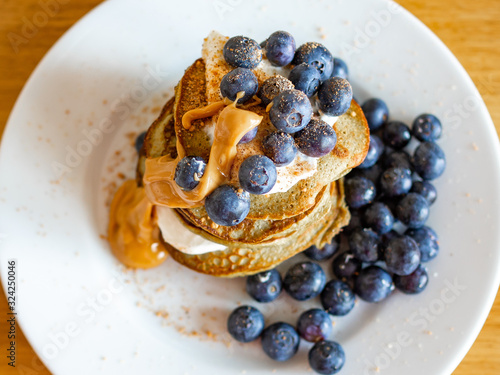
<point x="385" y="243"/>
<point x="316" y="77"/>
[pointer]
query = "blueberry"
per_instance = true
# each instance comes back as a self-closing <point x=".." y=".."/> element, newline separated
<point x="346" y="266"/>
<point x="354" y="222"/>
<point x="239" y="79"/>
<point x="378" y="217"/>
<point x="397" y="159"/>
<point x="427" y="241"/>
<point x="305" y="78"/>
<point x="429" y="160"/>
<point x="413" y="283"/>
<point x="280" y="341"/>
<point x="189" y="171"/>
<point x="364" y="244"/>
<point x="395" y="181"/>
<point x="326" y="252"/>
<point x="314" y="325"/>
<point x="317" y="55"/>
<point x="249" y="136"/>
<point x="317" y="139"/>
<point x="373" y="284"/>
<point x="376" y="113"/>
<point x="227" y="206"/>
<point x="426" y="190"/>
<point x="139" y="142"/>
<point x="245" y="324"/>
<point x="396" y="134"/>
<point x="372" y="173"/>
<point x="304" y="281"/>
<point x="291" y="111"/>
<point x="426" y="128"/>
<point x="359" y="191"/>
<point x="335" y="96"/>
<point x="374" y="152"/>
<point x="240" y="51"/>
<point x="412" y="210"/>
<point x="326" y="357"/>
<point x="402" y="255"/>
<point x="280" y="148"/>
<point x="273" y="86"/>
<point x="340" y="68"/>
<point x="280" y="48"/>
<point x="337" y="298"/>
<point x="257" y="174"/>
<point x="264" y="286"/>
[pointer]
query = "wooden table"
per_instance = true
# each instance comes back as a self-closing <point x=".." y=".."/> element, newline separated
<point x="471" y="29"/>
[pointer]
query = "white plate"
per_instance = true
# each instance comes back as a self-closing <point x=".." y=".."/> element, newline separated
<point x="83" y="314"/>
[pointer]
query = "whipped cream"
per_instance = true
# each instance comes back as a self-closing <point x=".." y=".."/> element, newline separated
<point x="177" y="235"/>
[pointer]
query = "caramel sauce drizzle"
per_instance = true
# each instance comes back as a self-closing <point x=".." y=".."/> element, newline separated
<point x="133" y="232"/>
<point x="233" y="123"/>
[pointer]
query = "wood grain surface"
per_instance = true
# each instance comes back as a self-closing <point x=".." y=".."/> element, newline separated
<point x="471" y="29"/>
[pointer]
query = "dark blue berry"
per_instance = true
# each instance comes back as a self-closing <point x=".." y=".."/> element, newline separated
<point x="364" y="244"/>
<point x="375" y="150"/>
<point x="337" y="298"/>
<point x="427" y="241"/>
<point x="326" y="357"/>
<point x="340" y="68"/>
<point x="359" y="191"/>
<point x="264" y="286"/>
<point x="396" y="134"/>
<point x="314" y="325"/>
<point x="413" y="283"/>
<point x="257" y="174"/>
<point x="402" y="255"/>
<point x="354" y="222"/>
<point x="317" y="139"/>
<point x="426" y="190"/>
<point x="395" y="182"/>
<point x="240" y="51"/>
<point x="237" y="80"/>
<point x="291" y="111"/>
<point x="280" y="48"/>
<point x="250" y="135"/>
<point x="280" y="148"/>
<point x="317" y="55"/>
<point x="305" y="78"/>
<point x="378" y="217"/>
<point x="139" y="142"/>
<point x="189" y="171"/>
<point x="245" y="324"/>
<point x="280" y="341"/>
<point x="326" y="252"/>
<point x="429" y="160"/>
<point x="412" y="210"/>
<point x="335" y="96"/>
<point x="304" y="280"/>
<point x="373" y="284"/>
<point x="227" y="206"/>
<point x="426" y="128"/>
<point x="273" y="86"/>
<point x="397" y="159"/>
<point x="346" y="266"/>
<point x="376" y="113"/>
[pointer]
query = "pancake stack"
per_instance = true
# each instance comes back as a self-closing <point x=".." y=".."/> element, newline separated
<point x="279" y="225"/>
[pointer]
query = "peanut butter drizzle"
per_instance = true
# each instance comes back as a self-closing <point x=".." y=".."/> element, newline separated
<point x="233" y="123"/>
<point x="133" y="232"/>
